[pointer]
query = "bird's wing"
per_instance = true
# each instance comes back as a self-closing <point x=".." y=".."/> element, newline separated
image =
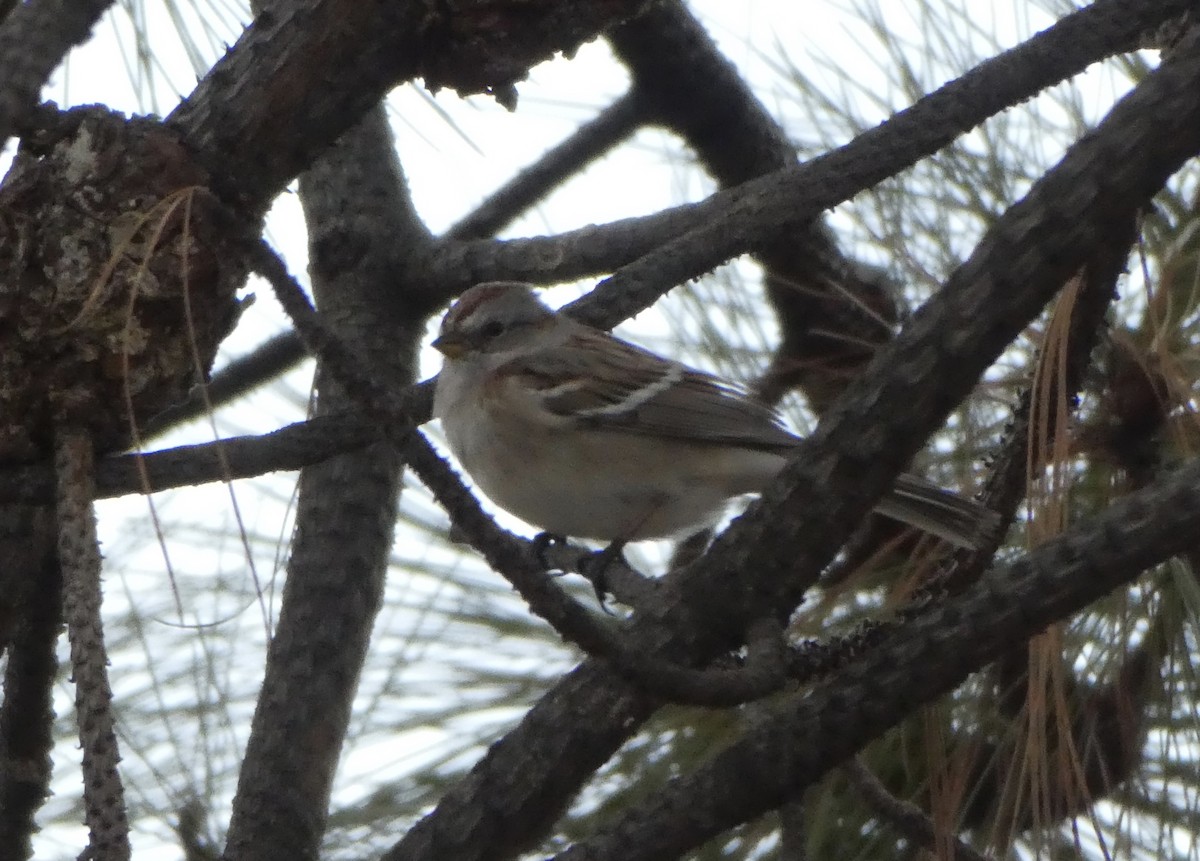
<point x="596" y="380"/>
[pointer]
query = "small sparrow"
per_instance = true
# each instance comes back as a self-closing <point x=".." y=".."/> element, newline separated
<point x="582" y="434"/>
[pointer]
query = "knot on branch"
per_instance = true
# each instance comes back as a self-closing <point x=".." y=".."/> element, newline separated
<point x="488" y="46"/>
<point x="118" y="279"/>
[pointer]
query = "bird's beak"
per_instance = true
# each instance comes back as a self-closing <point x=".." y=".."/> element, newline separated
<point x="450" y="345"/>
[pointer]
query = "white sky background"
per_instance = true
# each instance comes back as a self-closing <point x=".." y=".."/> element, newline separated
<point x="449" y="169"/>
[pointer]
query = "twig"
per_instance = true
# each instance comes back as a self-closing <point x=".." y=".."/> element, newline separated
<point x="793" y="831"/>
<point x="682" y="242"/>
<point x="291" y="447"/>
<point x="79" y="556"/>
<point x="241" y="376"/>
<point x="517" y="562"/>
<point x="554" y="167"/>
<point x="907" y="818"/>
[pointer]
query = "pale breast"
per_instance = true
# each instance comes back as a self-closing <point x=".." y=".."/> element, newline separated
<point x="588" y="483"/>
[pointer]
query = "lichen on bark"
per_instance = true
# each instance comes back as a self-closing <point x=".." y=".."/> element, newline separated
<point x="118" y="280"/>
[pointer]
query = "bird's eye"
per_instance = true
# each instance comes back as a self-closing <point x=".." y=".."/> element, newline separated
<point x="492" y="329"/>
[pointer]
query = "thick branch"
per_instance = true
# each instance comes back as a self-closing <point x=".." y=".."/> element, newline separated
<point x="922" y="661"/>
<point x="33" y="607"/>
<point x="357" y="206"/>
<point x="299" y="77"/>
<point x="34" y="38"/>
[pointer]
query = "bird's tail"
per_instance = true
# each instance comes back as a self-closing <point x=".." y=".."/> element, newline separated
<point x="920" y="503"/>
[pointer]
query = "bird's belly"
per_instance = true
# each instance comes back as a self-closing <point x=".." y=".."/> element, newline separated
<point x="606" y="486"/>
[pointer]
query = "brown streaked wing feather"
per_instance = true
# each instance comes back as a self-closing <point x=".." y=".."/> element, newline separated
<point x="923" y="504"/>
<point x="633" y="390"/>
<point x="571" y="380"/>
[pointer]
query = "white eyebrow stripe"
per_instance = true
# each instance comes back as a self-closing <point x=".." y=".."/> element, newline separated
<point x="672" y="375"/>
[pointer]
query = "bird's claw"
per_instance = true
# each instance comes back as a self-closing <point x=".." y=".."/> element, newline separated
<point x="542" y="543"/>
<point x="595" y="568"/>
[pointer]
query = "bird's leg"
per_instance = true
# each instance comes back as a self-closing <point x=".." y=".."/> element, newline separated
<point x="595" y="568"/>
<point x="592" y="566"/>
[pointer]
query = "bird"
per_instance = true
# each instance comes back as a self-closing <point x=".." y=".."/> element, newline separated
<point x="583" y="434"/>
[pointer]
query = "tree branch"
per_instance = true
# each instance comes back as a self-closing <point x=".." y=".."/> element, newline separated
<point x="587" y="143"/>
<point x="34" y="39"/>
<point x="79" y="556"/>
<point x="33" y="605"/>
<point x="907" y="818"/>
<point x="923" y="660"/>
<point x="289" y="448"/>
<point x="829" y="307"/>
<point x="357" y="207"/>
<point x="321" y="64"/>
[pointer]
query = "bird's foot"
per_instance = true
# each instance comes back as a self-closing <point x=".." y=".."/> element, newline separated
<point x="543" y="544"/>
<point x="595" y="568"/>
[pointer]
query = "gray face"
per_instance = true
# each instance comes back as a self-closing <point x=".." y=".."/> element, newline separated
<point x="495" y="317"/>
